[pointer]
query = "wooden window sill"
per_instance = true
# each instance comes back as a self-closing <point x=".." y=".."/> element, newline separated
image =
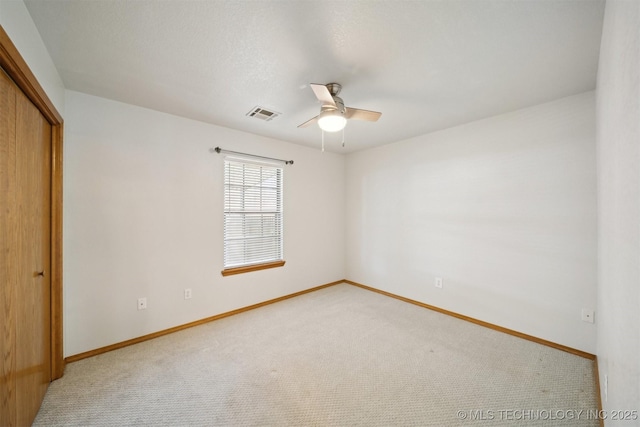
<point x="249" y="268"/>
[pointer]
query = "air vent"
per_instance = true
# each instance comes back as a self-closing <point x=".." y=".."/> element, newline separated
<point x="262" y="114"/>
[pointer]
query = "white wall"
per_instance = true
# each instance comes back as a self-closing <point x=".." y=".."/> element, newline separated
<point x="17" y="23"/>
<point x="143" y="218"/>
<point x="503" y="209"/>
<point x="504" y="212"/>
<point x="618" y="153"/>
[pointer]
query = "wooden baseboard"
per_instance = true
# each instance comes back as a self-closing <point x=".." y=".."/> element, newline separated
<point x="143" y="338"/>
<point x="480" y="322"/>
<point x="557" y="346"/>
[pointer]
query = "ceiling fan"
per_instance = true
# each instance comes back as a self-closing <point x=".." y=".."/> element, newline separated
<point x="333" y="114"/>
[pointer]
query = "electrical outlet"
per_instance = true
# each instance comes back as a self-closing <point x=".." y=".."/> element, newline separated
<point x="438" y="282"/>
<point x="142" y="303"/>
<point x="187" y="293"/>
<point x="587" y="315"/>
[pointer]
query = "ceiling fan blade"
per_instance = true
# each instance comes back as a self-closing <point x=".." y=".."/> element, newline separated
<point x="323" y="94"/>
<point x="309" y="122"/>
<point x="357" y="114"/>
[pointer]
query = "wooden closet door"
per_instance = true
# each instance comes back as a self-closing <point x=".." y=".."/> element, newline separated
<point x="33" y="293"/>
<point x="8" y="237"/>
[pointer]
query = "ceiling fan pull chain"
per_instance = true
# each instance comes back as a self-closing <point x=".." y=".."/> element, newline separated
<point x="323" y="141"/>
<point x="342" y="137"/>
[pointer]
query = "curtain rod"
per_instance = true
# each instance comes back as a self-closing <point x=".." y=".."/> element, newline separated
<point x="221" y="150"/>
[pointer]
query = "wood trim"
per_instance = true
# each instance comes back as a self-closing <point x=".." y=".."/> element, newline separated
<point x="16" y="67"/>
<point x="596" y="373"/>
<point x="143" y="338"/>
<point x="249" y="268"/>
<point x="57" y="350"/>
<point x="480" y="322"/>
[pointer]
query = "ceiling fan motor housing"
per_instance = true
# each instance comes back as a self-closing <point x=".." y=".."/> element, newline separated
<point x="339" y="105"/>
<point x="334" y="88"/>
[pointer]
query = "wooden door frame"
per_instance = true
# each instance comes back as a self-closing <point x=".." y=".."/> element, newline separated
<point x="15" y="66"/>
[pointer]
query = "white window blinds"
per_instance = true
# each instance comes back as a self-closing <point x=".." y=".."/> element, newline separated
<point x="252" y="213"/>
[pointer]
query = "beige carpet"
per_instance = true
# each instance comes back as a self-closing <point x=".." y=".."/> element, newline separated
<point x="340" y="356"/>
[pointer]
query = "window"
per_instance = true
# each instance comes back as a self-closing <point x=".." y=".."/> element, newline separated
<point x="252" y="216"/>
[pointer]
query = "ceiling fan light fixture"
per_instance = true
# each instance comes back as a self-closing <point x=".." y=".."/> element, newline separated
<point x="331" y="121"/>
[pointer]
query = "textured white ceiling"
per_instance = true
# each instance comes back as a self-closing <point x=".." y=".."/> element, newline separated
<point x="426" y="65"/>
